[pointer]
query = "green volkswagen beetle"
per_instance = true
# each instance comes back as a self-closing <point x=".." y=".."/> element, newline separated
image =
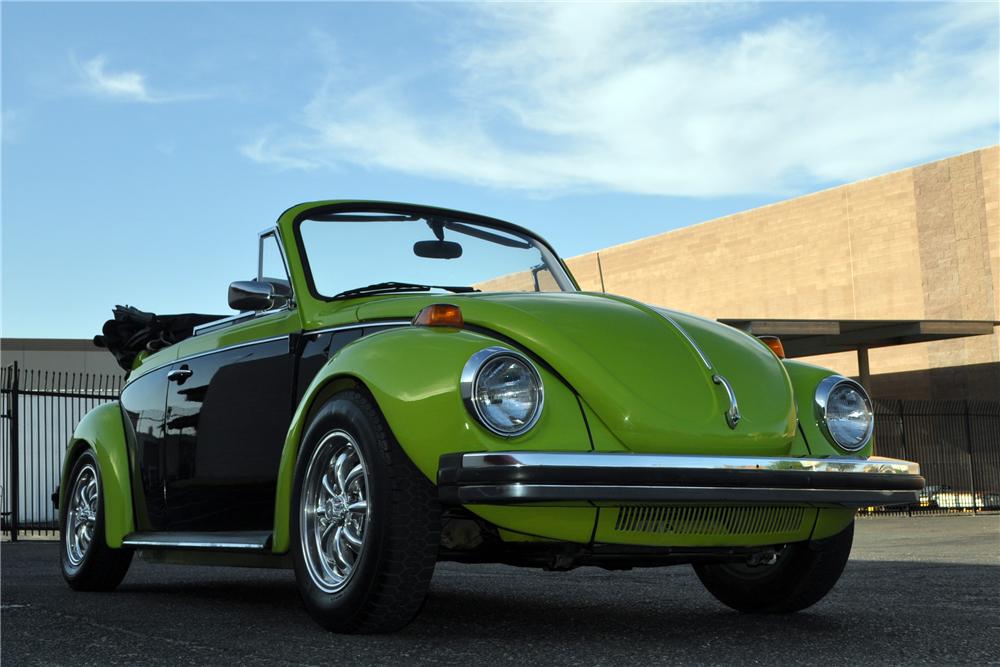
<point x="407" y="384"/>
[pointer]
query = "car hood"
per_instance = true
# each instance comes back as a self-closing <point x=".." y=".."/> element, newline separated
<point x="647" y="373"/>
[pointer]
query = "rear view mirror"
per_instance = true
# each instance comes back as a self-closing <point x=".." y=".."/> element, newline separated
<point x="437" y="249"/>
<point x="247" y="295"/>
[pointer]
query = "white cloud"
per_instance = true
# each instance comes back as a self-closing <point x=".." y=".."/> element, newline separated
<point x="261" y="151"/>
<point x="128" y="86"/>
<point x="664" y="99"/>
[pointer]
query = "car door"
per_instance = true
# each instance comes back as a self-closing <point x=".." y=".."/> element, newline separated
<point x="227" y="414"/>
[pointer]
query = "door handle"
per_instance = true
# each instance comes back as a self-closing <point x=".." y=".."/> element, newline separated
<point x="179" y="374"/>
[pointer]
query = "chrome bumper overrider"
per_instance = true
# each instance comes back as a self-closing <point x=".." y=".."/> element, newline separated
<point x="611" y="477"/>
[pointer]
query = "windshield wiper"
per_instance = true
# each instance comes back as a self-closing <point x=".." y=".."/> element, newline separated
<point x="388" y="287"/>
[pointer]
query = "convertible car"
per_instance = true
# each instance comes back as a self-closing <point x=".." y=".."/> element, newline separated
<point x="407" y="384"/>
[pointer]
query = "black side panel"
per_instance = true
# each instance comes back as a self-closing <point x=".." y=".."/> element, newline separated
<point x="143" y="402"/>
<point x="226" y="426"/>
<point x="316" y="350"/>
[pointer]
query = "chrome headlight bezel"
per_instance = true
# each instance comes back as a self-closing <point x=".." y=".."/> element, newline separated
<point x="823" y="393"/>
<point x="469" y="387"/>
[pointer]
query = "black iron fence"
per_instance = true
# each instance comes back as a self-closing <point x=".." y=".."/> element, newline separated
<point x="40" y="409"/>
<point x="957" y="444"/>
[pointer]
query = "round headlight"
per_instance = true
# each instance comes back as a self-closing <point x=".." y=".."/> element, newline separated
<point x="845" y="412"/>
<point x="502" y="389"/>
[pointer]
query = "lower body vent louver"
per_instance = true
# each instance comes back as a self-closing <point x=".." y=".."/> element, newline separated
<point x="709" y="520"/>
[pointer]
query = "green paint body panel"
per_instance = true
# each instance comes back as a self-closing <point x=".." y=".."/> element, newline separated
<point x="103" y="431"/>
<point x="539" y="523"/>
<point x="602" y="439"/>
<point x="830" y="521"/>
<point x="635" y="370"/>
<point x="806" y="377"/>
<point x="618" y="375"/>
<point x="413" y="373"/>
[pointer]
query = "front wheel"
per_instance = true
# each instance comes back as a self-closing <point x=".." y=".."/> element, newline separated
<point x="802" y="575"/>
<point x="366" y="527"/>
<point x="88" y="563"/>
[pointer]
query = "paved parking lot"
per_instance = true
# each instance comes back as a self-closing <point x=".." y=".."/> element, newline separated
<point x="921" y="590"/>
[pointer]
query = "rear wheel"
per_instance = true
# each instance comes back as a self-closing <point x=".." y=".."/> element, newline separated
<point x="366" y="527"/>
<point x="88" y="563"/>
<point x="800" y="577"/>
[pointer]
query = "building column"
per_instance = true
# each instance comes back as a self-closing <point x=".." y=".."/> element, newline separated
<point x="864" y="372"/>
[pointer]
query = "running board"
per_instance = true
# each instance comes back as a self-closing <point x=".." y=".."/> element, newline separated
<point x="258" y="541"/>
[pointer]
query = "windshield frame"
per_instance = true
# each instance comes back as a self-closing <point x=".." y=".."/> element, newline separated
<point x="396" y="208"/>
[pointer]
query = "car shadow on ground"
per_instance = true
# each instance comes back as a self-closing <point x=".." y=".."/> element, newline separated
<point x="496" y="602"/>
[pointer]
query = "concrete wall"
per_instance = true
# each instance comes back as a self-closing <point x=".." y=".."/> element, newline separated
<point x="921" y="243"/>
<point x="57" y="355"/>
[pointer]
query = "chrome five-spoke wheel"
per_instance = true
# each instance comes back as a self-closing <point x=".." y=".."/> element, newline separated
<point x="334" y="511"/>
<point x="82" y="515"/>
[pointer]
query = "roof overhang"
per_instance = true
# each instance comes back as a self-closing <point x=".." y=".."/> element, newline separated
<point x="805" y="338"/>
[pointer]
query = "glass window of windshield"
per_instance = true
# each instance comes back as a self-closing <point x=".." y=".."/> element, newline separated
<point x="348" y="251"/>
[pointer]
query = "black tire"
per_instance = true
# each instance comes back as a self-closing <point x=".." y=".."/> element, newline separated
<point x="803" y="574"/>
<point x="400" y="531"/>
<point x="96" y="567"/>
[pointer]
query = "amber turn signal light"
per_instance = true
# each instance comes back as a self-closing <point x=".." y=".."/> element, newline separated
<point x="440" y="315"/>
<point x="774" y="343"/>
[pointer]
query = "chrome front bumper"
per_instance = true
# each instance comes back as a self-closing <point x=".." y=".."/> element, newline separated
<point x="611" y="477"/>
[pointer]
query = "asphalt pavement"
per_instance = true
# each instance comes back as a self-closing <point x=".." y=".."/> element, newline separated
<point x="917" y="591"/>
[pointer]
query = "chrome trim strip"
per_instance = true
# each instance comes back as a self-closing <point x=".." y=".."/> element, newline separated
<point x="234" y="346"/>
<point x="236" y="319"/>
<point x="612" y="460"/>
<point x="687" y="336"/>
<point x="604" y="477"/>
<point x="249" y="546"/>
<point x="733" y="412"/>
<point x="220" y="323"/>
<point x="359" y="325"/>
<point x="241" y="540"/>
<point x="503" y="494"/>
<point x="665" y="315"/>
<point x="189" y="357"/>
<point x="822" y="396"/>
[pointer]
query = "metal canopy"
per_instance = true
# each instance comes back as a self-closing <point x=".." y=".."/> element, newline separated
<point x="805" y="338"/>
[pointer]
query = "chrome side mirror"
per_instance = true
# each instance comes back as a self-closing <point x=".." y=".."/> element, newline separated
<point x="247" y="295"/>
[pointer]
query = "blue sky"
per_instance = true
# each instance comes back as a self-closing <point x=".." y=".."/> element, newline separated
<point x="144" y="145"/>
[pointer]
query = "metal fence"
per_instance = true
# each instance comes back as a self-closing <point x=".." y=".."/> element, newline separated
<point x="957" y="444"/>
<point x="40" y="409"/>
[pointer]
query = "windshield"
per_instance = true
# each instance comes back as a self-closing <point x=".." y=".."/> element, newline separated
<point x="353" y="254"/>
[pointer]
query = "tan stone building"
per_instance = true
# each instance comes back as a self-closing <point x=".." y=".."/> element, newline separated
<point x="921" y="243"/>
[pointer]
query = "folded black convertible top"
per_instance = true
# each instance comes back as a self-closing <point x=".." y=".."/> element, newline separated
<point x="132" y="331"/>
